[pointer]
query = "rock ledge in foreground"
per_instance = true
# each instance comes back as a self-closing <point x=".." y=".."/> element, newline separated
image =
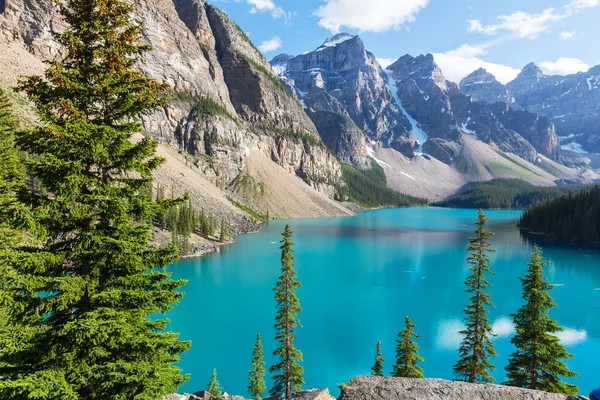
<point x="376" y="388"/>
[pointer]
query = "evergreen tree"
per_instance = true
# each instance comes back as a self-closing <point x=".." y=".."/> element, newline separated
<point x="224" y="236"/>
<point x="86" y="294"/>
<point x="287" y="371"/>
<point x="257" y="384"/>
<point x="377" y="368"/>
<point x="214" y="387"/>
<point x="407" y="353"/>
<point x="477" y="347"/>
<point x="538" y="361"/>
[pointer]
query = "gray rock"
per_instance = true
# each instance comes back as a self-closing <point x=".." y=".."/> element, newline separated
<point x="376" y="388"/>
<point x="483" y="86"/>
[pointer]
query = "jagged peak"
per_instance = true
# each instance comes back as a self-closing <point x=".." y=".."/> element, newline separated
<point x="531" y="69"/>
<point x="336" y="40"/>
<point x="479" y="76"/>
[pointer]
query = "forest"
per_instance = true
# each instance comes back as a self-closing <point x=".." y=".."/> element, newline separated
<point x="368" y="187"/>
<point x="572" y="217"/>
<point x="504" y="193"/>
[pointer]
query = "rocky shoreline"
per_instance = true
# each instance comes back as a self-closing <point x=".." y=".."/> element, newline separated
<point x="384" y="388"/>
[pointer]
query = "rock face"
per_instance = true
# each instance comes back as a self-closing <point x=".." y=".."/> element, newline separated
<point x="572" y="102"/>
<point x="536" y="129"/>
<point x="227" y="102"/>
<point x="341" y="135"/>
<point x="444" y="112"/>
<point x="380" y="388"/>
<point x="341" y="76"/>
<point x="483" y="86"/>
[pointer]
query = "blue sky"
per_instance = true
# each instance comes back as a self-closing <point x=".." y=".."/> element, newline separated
<point x="500" y="35"/>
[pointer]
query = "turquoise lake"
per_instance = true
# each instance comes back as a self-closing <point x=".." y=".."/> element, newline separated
<point x="361" y="276"/>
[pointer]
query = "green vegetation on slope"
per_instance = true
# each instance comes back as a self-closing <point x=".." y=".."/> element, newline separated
<point x="203" y="107"/>
<point x="571" y="217"/>
<point x="368" y="187"/>
<point x="504" y="193"/>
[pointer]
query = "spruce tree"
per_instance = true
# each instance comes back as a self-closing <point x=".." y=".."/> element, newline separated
<point x="87" y="293"/>
<point x="287" y="371"/>
<point x="377" y="368"/>
<point x="538" y="362"/>
<point x="224" y="236"/>
<point x="407" y="353"/>
<point x="257" y="385"/>
<point x="214" y="387"/>
<point x="476" y="347"/>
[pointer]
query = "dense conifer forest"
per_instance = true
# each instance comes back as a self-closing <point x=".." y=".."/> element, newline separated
<point x="572" y="217"/>
<point x="504" y="193"/>
<point x="368" y="187"/>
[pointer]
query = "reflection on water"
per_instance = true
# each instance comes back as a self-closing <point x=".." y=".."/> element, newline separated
<point x="360" y="277"/>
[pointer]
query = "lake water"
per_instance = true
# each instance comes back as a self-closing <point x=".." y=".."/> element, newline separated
<point x="361" y="276"/>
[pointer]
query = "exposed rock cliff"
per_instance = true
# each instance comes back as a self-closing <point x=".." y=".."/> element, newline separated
<point x="380" y="388"/>
<point x="572" y="102"/>
<point x="483" y="86"/>
<point x="228" y="105"/>
<point x="343" y="77"/>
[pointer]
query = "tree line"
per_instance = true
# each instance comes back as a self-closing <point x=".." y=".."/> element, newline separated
<point x="504" y="193"/>
<point x="538" y="362"/>
<point x="573" y="217"/>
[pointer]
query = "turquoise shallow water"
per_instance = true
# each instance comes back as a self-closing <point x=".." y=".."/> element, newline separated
<point x="361" y="276"/>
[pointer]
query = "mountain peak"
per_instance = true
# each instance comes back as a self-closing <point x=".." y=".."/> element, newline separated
<point x="530" y="70"/>
<point x="479" y="76"/>
<point x="336" y="39"/>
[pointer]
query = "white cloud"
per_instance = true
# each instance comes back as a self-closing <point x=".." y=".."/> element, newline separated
<point x="270" y="45"/>
<point x="268" y="6"/>
<point x="386" y="62"/>
<point x="503" y="327"/>
<point x="371" y="16"/>
<point x="530" y="26"/>
<point x="567" y="34"/>
<point x="578" y="5"/>
<point x="570" y="337"/>
<point x="564" y="66"/>
<point x="458" y="63"/>
<point x="520" y="23"/>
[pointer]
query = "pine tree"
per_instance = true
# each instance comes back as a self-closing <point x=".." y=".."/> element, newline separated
<point x="93" y="283"/>
<point x="214" y="387"/>
<point x="257" y="385"/>
<point x="224" y="236"/>
<point x="477" y="347"/>
<point x="538" y="361"/>
<point x="377" y="368"/>
<point x="407" y="353"/>
<point x="287" y="371"/>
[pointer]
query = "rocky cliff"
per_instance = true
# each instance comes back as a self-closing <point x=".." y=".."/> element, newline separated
<point x="572" y="102"/>
<point x="341" y="76"/>
<point x="227" y="107"/>
<point x="483" y="86"/>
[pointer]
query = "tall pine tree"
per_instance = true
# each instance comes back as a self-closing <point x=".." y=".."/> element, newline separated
<point x="377" y="368"/>
<point x="538" y="362"/>
<point x="287" y="371"/>
<point x="87" y="293"/>
<point x="476" y="348"/>
<point x="256" y="378"/>
<point x="407" y="353"/>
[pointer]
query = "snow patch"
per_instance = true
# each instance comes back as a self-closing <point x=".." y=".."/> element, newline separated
<point x="589" y="82"/>
<point x="467" y="130"/>
<point x="417" y="132"/>
<point x="573" y="146"/>
<point x="280" y="69"/>
<point x="410" y="176"/>
<point x="371" y="153"/>
<point x="335" y="40"/>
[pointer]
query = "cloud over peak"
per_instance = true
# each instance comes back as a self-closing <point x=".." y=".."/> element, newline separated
<point x="373" y="16"/>
<point x="564" y="66"/>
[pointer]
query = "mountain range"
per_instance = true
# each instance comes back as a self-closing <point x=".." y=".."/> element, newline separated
<point x="247" y="137"/>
